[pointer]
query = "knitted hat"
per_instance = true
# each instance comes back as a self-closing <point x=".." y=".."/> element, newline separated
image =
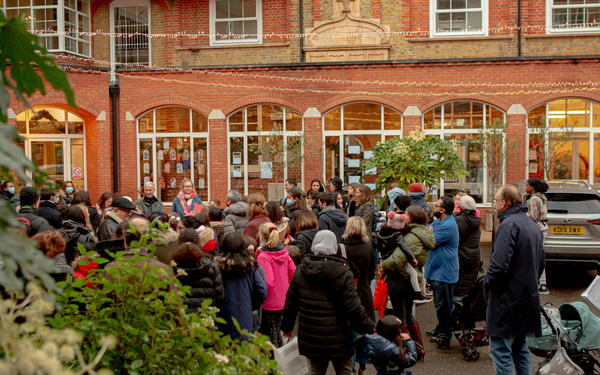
<point x="467" y="203"/>
<point x="396" y="221"/>
<point x="415" y="188"/>
<point x="402" y="202"/>
<point x="28" y="196"/>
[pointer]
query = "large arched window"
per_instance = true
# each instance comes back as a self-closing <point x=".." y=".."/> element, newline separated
<point x="360" y="126"/>
<point x="461" y="121"/>
<point x="173" y="145"/>
<point x="55" y="140"/>
<point x="564" y="141"/>
<point x="265" y="149"/>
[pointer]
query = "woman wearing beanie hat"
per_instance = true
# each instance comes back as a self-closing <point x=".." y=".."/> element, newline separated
<point x="402" y="202"/>
<point x="469" y="252"/>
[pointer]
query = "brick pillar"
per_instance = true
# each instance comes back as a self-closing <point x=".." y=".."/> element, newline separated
<point x="313" y="149"/>
<point x="218" y="156"/>
<point x="411" y="123"/>
<point x="516" y="167"/>
<point x="127" y="159"/>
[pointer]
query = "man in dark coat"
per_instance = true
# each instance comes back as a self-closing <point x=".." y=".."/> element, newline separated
<point x="48" y="209"/>
<point x="511" y="284"/>
<point x="330" y="217"/>
<point x="323" y="290"/>
<point x="28" y="215"/>
<point x="122" y="211"/>
<point x="469" y="252"/>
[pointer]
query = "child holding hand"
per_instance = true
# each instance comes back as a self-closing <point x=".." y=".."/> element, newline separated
<point x="390" y="350"/>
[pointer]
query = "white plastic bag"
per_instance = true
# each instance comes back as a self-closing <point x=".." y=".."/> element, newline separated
<point x="289" y="360"/>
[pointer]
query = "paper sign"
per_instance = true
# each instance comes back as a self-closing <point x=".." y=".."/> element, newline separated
<point x="354" y="179"/>
<point x="200" y="155"/>
<point x="166" y="144"/>
<point x="371" y="171"/>
<point x="172" y="155"/>
<point x="77" y="173"/>
<point x="167" y="168"/>
<point x="146" y="155"/>
<point x="353" y="150"/>
<point x="237" y="158"/>
<point x="186" y="154"/>
<point x="161" y="182"/>
<point x="201" y="169"/>
<point x="237" y="171"/>
<point x="201" y="183"/>
<point x="371" y="186"/>
<point x="146" y="168"/>
<point x="173" y="182"/>
<point x="179" y="167"/>
<point x="160" y="155"/>
<point x="179" y="143"/>
<point x="353" y="163"/>
<point x="368" y="154"/>
<point x="266" y="170"/>
<point x="146" y="179"/>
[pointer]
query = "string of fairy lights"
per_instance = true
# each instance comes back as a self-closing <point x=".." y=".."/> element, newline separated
<point x="328" y="80"/>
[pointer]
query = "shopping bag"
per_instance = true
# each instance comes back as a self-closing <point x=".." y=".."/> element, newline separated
<point x="289" y="360"/>
<point x="560" y="364"/>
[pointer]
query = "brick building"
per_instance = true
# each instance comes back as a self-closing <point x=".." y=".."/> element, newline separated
<point x="216" y="89"/>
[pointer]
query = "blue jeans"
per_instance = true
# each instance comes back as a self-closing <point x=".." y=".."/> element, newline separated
<point x="510" y="352"/>
<point x="442" y="297"/>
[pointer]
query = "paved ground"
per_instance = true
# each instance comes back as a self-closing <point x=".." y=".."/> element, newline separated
<point x="566" y="285"/>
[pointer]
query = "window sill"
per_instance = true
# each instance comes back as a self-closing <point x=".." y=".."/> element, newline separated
<point x="564" y="35"/>
<point x="458" y="39"/>
<point x="229" y="46"/>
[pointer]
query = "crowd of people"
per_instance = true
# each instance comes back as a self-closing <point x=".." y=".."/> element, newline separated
<point x="329" y="262"/>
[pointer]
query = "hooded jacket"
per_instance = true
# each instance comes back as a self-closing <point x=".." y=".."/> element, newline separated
<point x="469" y="252"/>
<point x="75" y="233"/>
<point x="418" y="199"/>
<point x="253" y="227"/>
<point x="385" y="355"/>
<point x="323" y="292"/>
<point x="279" y="269"/>
<point x="304" y="240"/>
<point x="237" y="218"/>
<point x="392" y="194"/>
<point x="395" y="252"/>
<point x="205" y="281"/>
<point x="334" y="220"/>
<point x="511" y="280"/>
<point x="50" y="212"/>
<point x="38" y="224"/>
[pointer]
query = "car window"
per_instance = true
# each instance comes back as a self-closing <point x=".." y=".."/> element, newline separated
<point x="573" y="203"/>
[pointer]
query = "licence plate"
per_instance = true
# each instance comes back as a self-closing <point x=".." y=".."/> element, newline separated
<point x="567" y="230"/>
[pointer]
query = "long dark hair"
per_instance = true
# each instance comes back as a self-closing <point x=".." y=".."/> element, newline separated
<point x="103" y="198"/>
<point x="390" y="327"/>
<point x="76" y="214"/>
<point x="296" y="193"/>
<point x="233" y="258"/>
<point x="81" y="196"/>
<point x="274" y="212"/>
<point x="538" y="185"/>
<point x="321" y="188"/>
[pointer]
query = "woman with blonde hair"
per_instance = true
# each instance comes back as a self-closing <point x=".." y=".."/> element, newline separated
<point x="279" y="269"/>
<point x="258" y="215"/>
<point x="187" y="202"/>
<point x="363" y="198"/>
<point x="359" y="251"/>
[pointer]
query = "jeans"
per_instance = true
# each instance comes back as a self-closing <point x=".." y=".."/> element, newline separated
<point x="510" y="352"/>
<point x="341" y="367"/>
<point x="442" y="297"/>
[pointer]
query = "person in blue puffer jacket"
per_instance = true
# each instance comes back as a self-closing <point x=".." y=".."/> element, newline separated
<point x="390" y="350"/>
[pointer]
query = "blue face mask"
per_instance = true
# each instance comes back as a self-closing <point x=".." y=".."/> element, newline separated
<point x="11" y="190"/>
<point x="56" y="200"/>
<point x="289" y="202"/>
<point x="69" y="190"/>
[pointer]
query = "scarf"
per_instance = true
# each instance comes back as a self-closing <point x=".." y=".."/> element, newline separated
<point x="187" y="205"/>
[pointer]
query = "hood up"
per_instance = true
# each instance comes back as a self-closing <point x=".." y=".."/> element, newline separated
<point x="392" y="194"/>
<point x="324" y="243"/>
<point x="324" y="271"/>
<point x="338" y="216"/>
<point x="72" y="230"/>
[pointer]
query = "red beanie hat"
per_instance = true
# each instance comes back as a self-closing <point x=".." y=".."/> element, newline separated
<point x="210" y="246"/>
<point x="415" y="188"/>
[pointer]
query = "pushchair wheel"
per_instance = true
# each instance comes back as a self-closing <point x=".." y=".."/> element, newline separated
<point x="475" y="355"/>
<point x="470" y="354"/>
<point x="443" y="341"/>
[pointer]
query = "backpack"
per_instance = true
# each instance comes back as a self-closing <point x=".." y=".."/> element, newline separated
<point x="24" y="225"/>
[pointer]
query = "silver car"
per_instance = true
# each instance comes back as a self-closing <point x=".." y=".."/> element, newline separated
<point x="574" y="224"/>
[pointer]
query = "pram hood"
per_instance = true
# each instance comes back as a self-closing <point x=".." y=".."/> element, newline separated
<point x="590" y="324"/>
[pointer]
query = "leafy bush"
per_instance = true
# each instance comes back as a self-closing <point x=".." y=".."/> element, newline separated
<point x="143" y="310"/>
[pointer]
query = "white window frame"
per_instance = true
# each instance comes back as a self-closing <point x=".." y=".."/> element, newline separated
<point x="226" y="42"/>
<point x="442" y="132"/>
<point x="124" y="4"/>
<point x="341" y="133"/>
<point x="433" y="11"/>
<point x="60" y="22"/>
<point x="567" y="30"/>
<point x="154" y="135"/>
<point x="77" y="38"/>
<point x="245" y="134"/>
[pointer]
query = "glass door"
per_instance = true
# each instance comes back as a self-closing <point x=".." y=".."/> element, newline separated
<point x="50" y="157"/>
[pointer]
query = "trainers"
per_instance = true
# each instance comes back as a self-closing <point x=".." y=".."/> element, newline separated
<point x="543" y="289"/>
<point x="421" y="299"/>
<point x="433" y="333"/>
<point x="428" y="291"/>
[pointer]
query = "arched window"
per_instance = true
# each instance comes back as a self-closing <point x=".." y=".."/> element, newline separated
<point x="173" y="145"/>
<point x="360" y="126"/>
<point x="265" y="149"/>
<point x="461" y="121"/>
<point x="55" y="140"/>
<point x="564" y="140"/>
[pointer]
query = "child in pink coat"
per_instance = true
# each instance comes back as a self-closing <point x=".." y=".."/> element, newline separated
<point x="279" y="269"/>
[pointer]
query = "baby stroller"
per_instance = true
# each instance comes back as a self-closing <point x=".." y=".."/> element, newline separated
<point x="467" y="312"/>
<point x="579" y="332"/>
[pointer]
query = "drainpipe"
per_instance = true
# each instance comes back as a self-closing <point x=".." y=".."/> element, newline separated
<point x="114" y="93"/>
<point x="519" y="28"/>
<point x="301" y="30"/>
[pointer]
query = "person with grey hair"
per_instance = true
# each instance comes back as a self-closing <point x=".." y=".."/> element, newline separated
<point x="149" y="204"/>
<point x="236" y="213"/>
<point x="323" y="288"/>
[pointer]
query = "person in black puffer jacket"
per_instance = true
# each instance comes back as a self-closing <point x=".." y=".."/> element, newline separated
<point x="306" y="230"/>
<point x="28" y="215"/>
<point x="48" y="209"/>
<point x="195" y="269"/>
<point x="469" y="252"/>
<point x="74" y="231"/>
<point x="323" y="289"/>
<point x="330" y="217"/>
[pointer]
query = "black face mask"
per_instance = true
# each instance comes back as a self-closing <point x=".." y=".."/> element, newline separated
<point x="438" y="214"/>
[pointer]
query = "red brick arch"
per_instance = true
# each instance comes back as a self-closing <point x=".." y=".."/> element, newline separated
<point x="84" y="108"/>
<point x="498" y="102"/>
<point x="98" y="3"/>
<point x="169" y="100"/>
<point x="270" y="98"/>
<point x="532" y="103"/>
<point x="343" y="99"/>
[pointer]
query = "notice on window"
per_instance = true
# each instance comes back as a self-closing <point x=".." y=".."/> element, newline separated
<point x="237" y="171"/>
<point x="353" y="150"/>
<point x="353" y="163"/>
<point x="354" y="179"/>
<point x="371" y="171"/>
<point x="77" y="173"/>
<point x="237" y="158"/>
<point x="266" y="169"/>
<point x="368" y="155"/>
<point x="371" y="186"/>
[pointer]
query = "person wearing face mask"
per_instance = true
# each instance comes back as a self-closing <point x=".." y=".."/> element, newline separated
<point x="295" y="206"/>
<point x="28" y="215"/>
<point x="7" y="190"/>
<point x="67" y="193"/>
<point x="187" y="202"/>
<point x="48" y="209"/>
